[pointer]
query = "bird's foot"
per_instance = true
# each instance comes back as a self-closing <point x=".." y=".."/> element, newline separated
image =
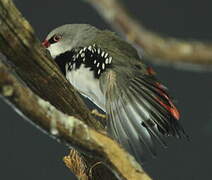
<point x="96" y="113"/>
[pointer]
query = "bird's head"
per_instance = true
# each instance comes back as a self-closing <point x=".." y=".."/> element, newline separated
<point x="59" y="40"/>
<point x="66" y="37"/>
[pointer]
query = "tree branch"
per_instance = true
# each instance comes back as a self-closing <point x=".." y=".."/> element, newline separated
<point x="57" y="108"/>
<point x="74" y="131"/>
<point x="157" y="48"/>
<point x="41" y="74"/>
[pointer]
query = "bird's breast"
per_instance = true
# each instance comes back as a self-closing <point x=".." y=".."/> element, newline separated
<point x="83" y="80"/>
<point x="83" y="67"/>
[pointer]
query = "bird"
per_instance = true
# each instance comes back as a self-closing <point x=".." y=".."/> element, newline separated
<point x="110" y="72"/>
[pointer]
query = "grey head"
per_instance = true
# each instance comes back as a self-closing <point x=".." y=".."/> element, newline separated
<point x="68" y="36"/>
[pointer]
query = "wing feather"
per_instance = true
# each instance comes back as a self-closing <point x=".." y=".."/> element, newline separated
<point x="140" y="109"/>
<point x="120" y="128"/>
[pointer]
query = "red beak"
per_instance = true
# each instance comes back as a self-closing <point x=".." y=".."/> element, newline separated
<point x="46" y="43"/>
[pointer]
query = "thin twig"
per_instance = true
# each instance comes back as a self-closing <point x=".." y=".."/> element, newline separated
<point x="157" y="48"/>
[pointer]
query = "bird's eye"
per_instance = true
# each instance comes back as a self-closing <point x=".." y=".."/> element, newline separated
<point x="56" y="37"/>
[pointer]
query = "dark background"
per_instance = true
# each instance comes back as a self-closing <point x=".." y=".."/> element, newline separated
<point x="26" y="153"/>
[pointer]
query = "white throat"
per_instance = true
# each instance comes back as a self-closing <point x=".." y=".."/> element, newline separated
<point x="56" y="49"/>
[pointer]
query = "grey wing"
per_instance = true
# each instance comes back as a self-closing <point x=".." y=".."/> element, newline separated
<point x="136" y="112"/>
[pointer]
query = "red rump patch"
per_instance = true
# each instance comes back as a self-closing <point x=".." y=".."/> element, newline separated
<point x="151" y="71"/>
<point x="160" y="86"/>
<point x="171" y="107"/>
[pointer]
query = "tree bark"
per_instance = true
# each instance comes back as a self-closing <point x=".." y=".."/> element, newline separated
<point x="33" y="85"/>
<point x="68" y="128"/>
